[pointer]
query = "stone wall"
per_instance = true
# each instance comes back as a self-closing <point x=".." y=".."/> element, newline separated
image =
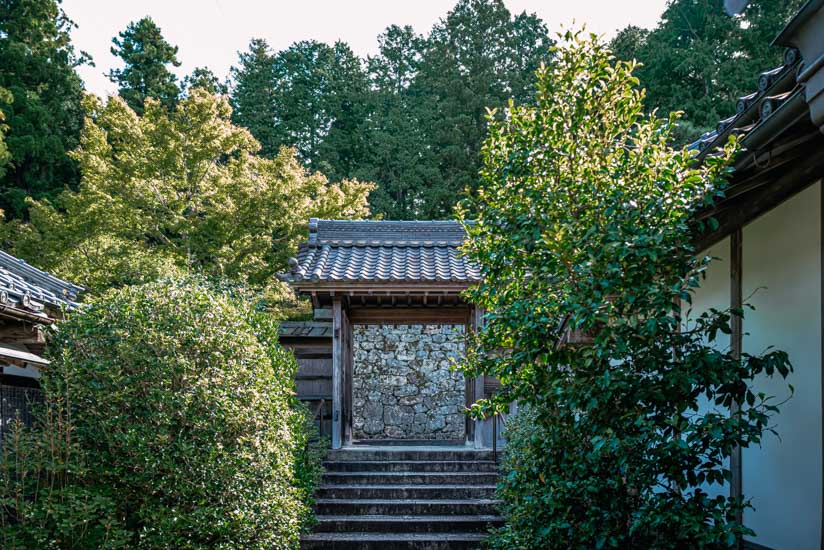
<point x="402" y="385"/>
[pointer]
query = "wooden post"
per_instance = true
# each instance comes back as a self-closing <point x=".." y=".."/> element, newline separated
<point x="337" y="373"/>
<point x="821" y="298"/>
<point x="736" y="346"/>
<point x="478" y="383"/>
<point x="346" y="383"/>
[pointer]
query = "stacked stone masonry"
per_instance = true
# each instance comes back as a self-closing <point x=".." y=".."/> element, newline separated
<point x="403" y="386"/>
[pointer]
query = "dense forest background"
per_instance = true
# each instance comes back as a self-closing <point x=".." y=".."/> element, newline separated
<point x="411" y="119"/>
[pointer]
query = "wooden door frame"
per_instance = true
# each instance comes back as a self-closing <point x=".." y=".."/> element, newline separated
<point x="344" y="316"/>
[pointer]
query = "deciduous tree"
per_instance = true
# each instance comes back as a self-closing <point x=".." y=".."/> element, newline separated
<point x="583" y="233"/>
<point x="184" y="190"/>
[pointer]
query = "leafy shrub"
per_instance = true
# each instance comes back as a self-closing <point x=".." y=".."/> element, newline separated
<point x="584" y="231"/>
<point x="176" y="427"/>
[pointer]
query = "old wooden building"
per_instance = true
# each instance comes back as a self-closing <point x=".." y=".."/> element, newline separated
<point x="375" y="363"/>
<point x="30" y="300"/>
<point x="769" y="246"/>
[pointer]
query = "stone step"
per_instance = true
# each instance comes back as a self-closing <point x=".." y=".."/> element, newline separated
<point x="399" y="507"/>
<point x="407" y="524"/>
<point x="368" y="453"/>
<point x="393" y="541"/>
<point x="411" y="466"/>
<point x="454" y="492"/>
<point x="410" y="478"/>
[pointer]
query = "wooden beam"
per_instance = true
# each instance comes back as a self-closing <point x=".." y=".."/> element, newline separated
<point x="766" y="191"/>
<point x="337" y="374"/>
<point x="416" y="315"/>
<point x="736" y="346"/>
<point x="20" y="332"/>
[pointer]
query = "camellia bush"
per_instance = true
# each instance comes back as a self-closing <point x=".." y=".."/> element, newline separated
<point x="584" y="230"/>
<point x="170" y="422"/>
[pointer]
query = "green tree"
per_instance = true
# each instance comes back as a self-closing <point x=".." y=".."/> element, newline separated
<point x="345" y="102"/>
<point x="699" y="60"/>
<point x="170" y="422"/>
<point x="5" y="156"/>
<point x="182" y="190"/>
<point x="396" y="154"/>
<point x="478" y="57"/>
<point x="203" y="77"/>
<point x="317" y="96"/>
<point x="146" y="57"/>
<point x="310" y="96"/>
<point x="42" y="108"/>
<point x="628" y="43"/>
<point x="253" y="95"/>
<point x="584" y="228"/>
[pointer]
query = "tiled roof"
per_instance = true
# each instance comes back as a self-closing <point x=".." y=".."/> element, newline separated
<point x="382" y="252"/>
<point x="776" y="91"/>
<point x="23" y="286"/>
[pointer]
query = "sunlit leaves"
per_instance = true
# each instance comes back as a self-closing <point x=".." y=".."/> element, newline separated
<point x="184" y="190"/>
<point x="583" y="230"/>
<point x="171" y="422"/>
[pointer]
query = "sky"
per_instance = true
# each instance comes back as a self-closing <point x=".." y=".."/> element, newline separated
<point x="211" y="32"/>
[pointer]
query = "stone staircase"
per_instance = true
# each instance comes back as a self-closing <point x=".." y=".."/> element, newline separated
<point x="421" y="498"/>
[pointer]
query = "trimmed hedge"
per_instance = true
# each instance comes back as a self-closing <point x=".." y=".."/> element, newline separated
<point x="171" y="422"/>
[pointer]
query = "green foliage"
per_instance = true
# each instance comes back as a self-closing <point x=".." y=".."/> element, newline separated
<point x="175" y="191"/>
<point x="318" y="95"/>
<point x="42" y="108"/>
<point x="308" y="96"/>
<point x="700" y="60"/>
<point x="47" y="498"/>
<point x="478" y="57"/>
<point x="411" y="120"/>
<point x="146" y="56"/>
<point x="203" y="77"/>
<point x="253" y="96"/>
<point x="584" y="226"/>
<point x="170" y="422"/>
<point x="5" y="156"/>
<point x="396" y="152"/>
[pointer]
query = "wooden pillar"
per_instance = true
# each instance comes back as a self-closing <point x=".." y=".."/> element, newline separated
<point x="736" y="345"/>
<point x="337" y="373"/>
<point x="346" y="383"/>
<point x="478" y="383"/>
<point x="821" y="297"/>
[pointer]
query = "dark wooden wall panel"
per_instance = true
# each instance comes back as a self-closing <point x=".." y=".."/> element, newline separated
<point x="409" y="315"/>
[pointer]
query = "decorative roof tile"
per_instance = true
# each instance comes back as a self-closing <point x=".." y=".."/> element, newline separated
<point x="23" y="286"/>
<point x="774" y="89"/>
<point x="343" y="252"/>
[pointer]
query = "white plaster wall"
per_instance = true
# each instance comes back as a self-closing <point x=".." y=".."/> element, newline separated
<point x="715" y="288"/>
<point x="783" y="477"/>
<point x="714" y="292"/>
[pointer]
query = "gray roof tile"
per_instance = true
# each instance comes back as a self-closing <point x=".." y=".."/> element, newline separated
<point x="774" y="88"/>
<point x="24" y="286"/>
<point x="382" y="252"/>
